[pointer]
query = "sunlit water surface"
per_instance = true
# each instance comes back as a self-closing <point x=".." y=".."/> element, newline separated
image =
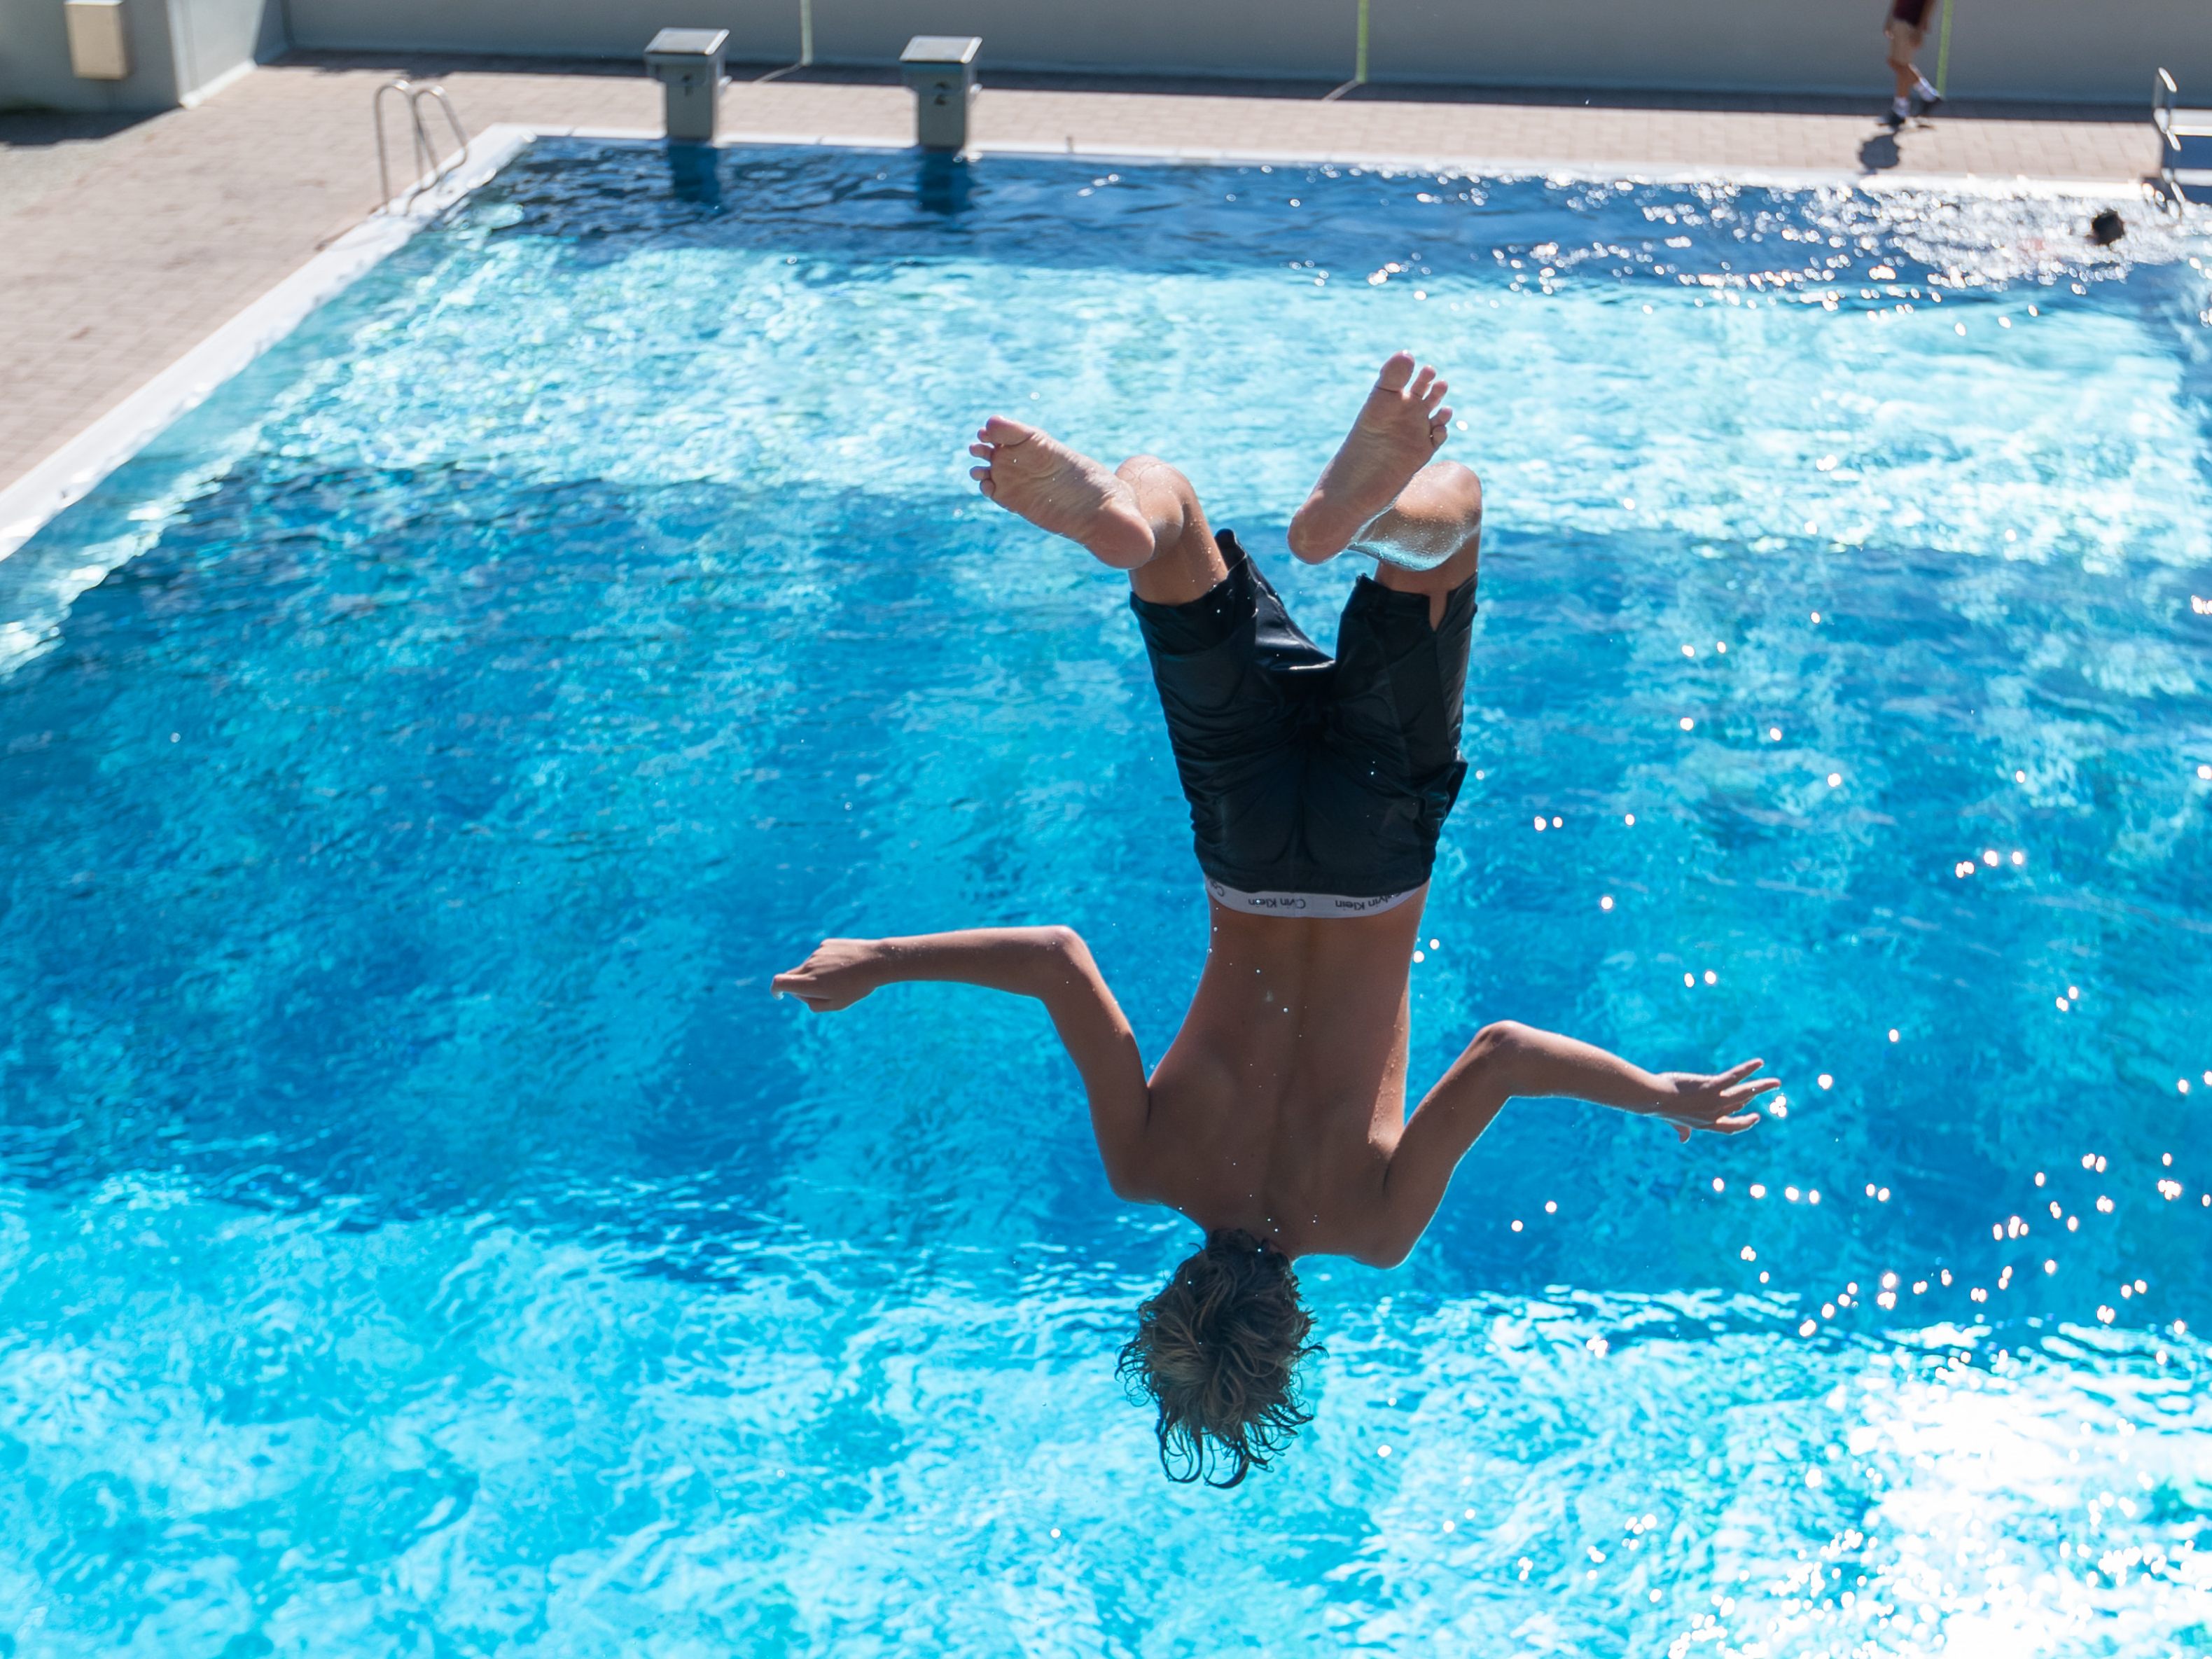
<point x="422" y="1233"/>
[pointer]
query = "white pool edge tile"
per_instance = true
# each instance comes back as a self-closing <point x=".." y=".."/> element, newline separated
<point x="71" y="471"/>
<point x="1973" y="184"/>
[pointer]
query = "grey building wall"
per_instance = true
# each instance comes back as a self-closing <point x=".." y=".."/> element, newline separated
<point x="2077" y="51"/>
<point x="2064" y="51"/>
<point x="178" y="48"/>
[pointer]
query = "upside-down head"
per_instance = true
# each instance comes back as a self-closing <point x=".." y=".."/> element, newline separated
<point x="1217" y="1352"/>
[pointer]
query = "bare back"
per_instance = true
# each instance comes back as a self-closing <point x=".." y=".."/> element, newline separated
<point x="1277" y="1108"/>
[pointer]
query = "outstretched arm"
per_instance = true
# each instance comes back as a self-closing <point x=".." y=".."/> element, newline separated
<point x="1509" y="1059"/>
<point x="1052" y="964"/>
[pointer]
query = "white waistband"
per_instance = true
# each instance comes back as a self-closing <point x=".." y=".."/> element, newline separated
<point x="1303" y="904"/>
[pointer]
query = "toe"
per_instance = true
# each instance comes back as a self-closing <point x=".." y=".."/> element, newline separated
<point x="979" y="472"/>
<point x="1396" y="371"/>
<point x="1419" y="389"/>
<point x="982" y="452"/>
<point x="1000" y="430"/>
<point x="1435" y="394"/>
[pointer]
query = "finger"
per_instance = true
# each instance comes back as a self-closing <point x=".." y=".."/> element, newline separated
<point x="1735" y="1124"/>
<point x="1735" y="1073"/>
<point x="790" y="979"/>
<point x="1750" y="1091"/>
<point x="1682" y="1132"/>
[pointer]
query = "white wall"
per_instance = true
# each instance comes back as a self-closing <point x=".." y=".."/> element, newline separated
<point x="178" y="47"/>
<point x="2080" y="51"/>
<point x="214" y="38"/>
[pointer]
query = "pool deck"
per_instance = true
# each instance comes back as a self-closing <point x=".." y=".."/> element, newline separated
<point x="122" y="243"/>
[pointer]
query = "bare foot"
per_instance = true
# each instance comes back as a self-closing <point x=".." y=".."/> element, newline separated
<point x="1034" y="474"/>
<point x="1401" y="424"/>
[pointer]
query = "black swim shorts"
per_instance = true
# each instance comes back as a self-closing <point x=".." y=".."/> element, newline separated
<point x="1305" y="774"/>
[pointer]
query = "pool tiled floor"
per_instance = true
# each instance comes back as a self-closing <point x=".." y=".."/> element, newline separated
<point x="122" y="246"/>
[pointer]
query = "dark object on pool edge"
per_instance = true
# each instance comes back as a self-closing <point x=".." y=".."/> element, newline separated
<point x="688" y="64"/>
<point x="2107" y="227"/>
<point x="1217" y="1350"/>
<point x="940" y="71"/>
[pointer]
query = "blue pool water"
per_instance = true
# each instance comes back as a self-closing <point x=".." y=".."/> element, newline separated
<point x="420" y="1232"/>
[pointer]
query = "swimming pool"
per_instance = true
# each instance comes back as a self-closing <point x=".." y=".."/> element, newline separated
<point x="420" y="1232"/>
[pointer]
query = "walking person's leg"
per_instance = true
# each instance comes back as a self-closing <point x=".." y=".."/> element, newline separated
<point x="1904" y="41"/>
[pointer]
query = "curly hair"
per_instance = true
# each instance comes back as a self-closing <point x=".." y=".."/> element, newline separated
<point x="1217" y="1351"/>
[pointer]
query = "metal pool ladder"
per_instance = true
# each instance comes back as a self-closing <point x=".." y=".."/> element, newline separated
<point x="429" y="172"/>
<point x="2185" y="141"/>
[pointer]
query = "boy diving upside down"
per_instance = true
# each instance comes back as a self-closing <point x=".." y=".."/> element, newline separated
<point x="1276" y="1120"/>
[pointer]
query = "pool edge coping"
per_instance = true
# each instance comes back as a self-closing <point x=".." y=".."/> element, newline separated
<point x="1978" y="184"/>
<point x="73" y="470"/>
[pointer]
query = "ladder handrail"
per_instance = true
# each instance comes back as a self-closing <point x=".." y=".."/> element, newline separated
<point x="429" y="172"/>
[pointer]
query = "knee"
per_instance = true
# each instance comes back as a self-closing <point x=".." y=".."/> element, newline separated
<point x="1140" y="471"/>
<point x="1455" y="489"/>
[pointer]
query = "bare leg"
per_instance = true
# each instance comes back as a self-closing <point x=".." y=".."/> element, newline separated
<point x="1400" y="426"/>
<point x="1438" y="514"/>
<point x="1901" y="49"/>
<point x="1143" y="517"/>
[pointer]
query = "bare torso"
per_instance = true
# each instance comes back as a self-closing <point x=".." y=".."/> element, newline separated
<point x="1279" y="1104"/>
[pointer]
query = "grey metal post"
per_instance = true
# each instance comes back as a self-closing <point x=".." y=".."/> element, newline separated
<point x="688" y="64"/>
<point x="941" y="70"/>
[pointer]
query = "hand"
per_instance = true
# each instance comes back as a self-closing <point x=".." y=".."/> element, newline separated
<point x="838" y="975"/>
<point x="1713" y="1103"/>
